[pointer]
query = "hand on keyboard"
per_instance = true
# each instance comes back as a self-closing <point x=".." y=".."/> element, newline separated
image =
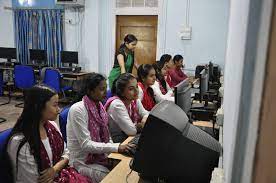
<point x="126" y="148"/>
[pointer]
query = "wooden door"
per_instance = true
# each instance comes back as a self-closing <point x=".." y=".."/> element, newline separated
<point x="145" y="29"/>
<point x="265" y="157"/>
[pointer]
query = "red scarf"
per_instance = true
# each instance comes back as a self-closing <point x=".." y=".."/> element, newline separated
<point x="132" y="109"/>
<point x="169" y="80"/>
<point x="68" y="174"/>
<point x="98" y="128"/>
<point x="162" y="89"/>
<point x="148" y="101"/>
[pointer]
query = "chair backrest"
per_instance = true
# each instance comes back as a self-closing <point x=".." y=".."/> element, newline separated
<point x="63" y="121"/>
<point x="3" y="138"/>
<point x="1" y="82"/>
<point x="108" y="95"/>
<point x="52" y="79"/>
<point x="24" y="76"/>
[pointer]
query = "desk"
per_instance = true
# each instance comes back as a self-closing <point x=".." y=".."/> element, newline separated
<point x="75" y="76"/>
<point x="119" y="173"/>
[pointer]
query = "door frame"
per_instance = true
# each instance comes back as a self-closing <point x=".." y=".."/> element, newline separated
<point x="161" y="13"/>
<point x="252" y="86"/>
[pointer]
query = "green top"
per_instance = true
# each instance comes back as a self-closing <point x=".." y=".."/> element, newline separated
<point x="115" y="72"/>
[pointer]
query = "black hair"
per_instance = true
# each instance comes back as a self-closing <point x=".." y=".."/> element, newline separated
<point x="142" y="72"/>
<point x="92" y="82"/>
<point x="160" y="76"/>
<point x="129" y="38"/>
<point x="120" y="84"/>
<point x="164" y="59"/>
<point x="177" y="58"/>
<point x="28" y="124"/>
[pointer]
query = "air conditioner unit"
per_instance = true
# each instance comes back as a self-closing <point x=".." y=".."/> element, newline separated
<point x="79" y="3"/>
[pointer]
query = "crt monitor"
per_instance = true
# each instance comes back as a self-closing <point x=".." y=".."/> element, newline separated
<point x="172" y="149"/>
<point x="182" y="94"/>
<point x="70" y="57"/>
<point x="38" y="57"/>
<point x="8" y="53"/>
<point x="203" y="84"/>
<point x="211" y="71"/>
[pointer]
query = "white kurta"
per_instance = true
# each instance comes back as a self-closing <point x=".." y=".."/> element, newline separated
<point x="80" y="144"/>
<point x="158" y="96"/>
<point x="119" y="120"/>
<point x="27" y="167"/>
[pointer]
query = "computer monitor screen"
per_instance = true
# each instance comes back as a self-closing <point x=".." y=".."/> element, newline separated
<point x="8" y="53"/>
<point x="38" y="56"/>
<point x="182" y="94"/>
<point x="211" y="71"/>
<point x="70" y="57"/>
<point x="204" y="80"/>
<point x="171" y="148"/>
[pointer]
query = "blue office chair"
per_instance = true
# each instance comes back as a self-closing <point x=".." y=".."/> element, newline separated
<point x="1" y="83"/>
<point x="1" y="93"/>
<point x="24" y="78"/>
<point x="3" y="138"/>
<point x="52" y="78"/>
<point x="63" y="121"/>
<point x="108" y="95"/>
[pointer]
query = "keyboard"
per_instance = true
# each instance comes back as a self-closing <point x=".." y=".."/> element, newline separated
<point x="134" y="141"/>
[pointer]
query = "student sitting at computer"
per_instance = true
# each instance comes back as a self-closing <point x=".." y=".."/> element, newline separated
<point x="146" y="78"/>
<point x="35" y="146"/>
<point x="161" y="88"/>
<point x="176" y="75"/>
<point x="88" y="137"/>
<point x="126" y="113"/>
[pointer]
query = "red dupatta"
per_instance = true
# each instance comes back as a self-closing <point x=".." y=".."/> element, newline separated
<point x="67" y="174"/>
<point x="148" y="100"/>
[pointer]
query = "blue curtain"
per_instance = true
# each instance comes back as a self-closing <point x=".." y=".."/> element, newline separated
<point x="39" y="29"/>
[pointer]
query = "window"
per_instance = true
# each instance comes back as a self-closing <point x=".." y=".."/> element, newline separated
<point x="136" y="3"/>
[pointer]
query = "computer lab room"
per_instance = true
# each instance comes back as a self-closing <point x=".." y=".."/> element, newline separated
<point x="137" y="91"/>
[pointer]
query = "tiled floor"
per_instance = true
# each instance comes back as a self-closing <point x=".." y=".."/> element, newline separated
<point x="10" y="113"/>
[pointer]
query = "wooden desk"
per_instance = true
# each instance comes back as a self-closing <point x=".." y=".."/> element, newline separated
<point x="75" y="76"/>
<point x="120" y="172"/>
<point x="12" y="69"/>
<point x="208" y="124"/>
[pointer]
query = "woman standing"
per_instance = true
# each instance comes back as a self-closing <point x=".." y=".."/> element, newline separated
<point x="124" y="59"/>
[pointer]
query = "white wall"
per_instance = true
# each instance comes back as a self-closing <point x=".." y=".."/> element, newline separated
<point x="233" y="79"/>
<point x="6" y="25"/>
<point x="106" y="57"/>
<point x="82" y="34"/>
<point x="209" y="22"/>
